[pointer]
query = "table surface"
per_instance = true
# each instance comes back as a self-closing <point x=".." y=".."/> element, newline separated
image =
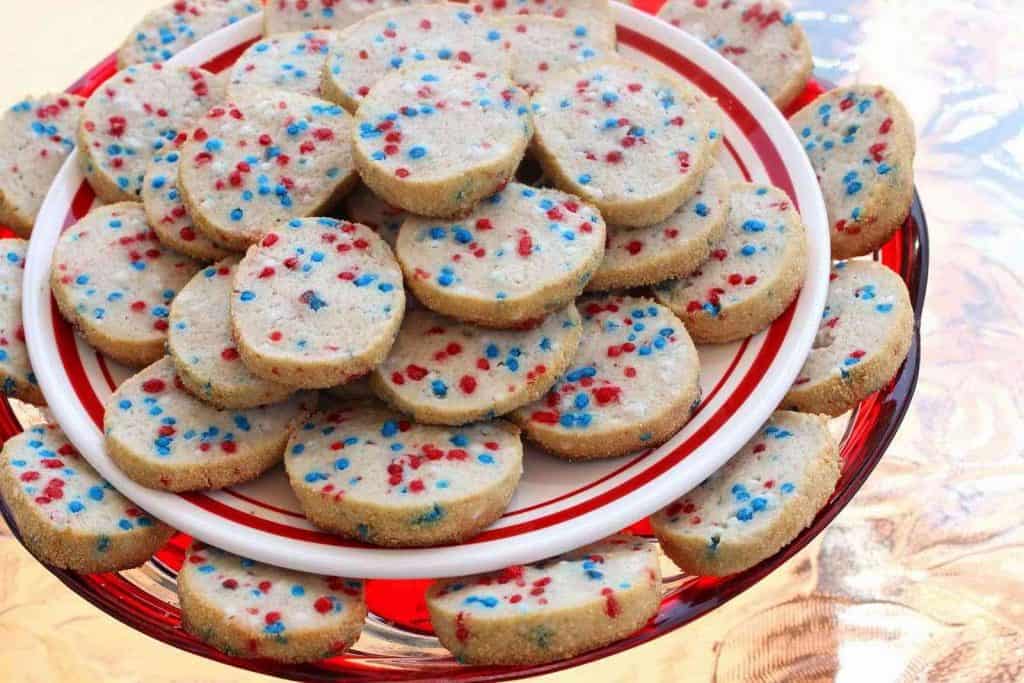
<point x="919" y="578"/>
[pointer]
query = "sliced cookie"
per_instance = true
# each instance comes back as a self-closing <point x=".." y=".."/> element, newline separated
<point x="757" y="502"/>
<point x="635" y="141"/>
<point x="550" y="610"/>
<point x="617" y="398"/>
<point x="114" y="282"/>
<point x="755" y="271"/>
<point x="36" y="136"/>
<point x="67" y="514"/>
<point x="541" y="47"/>
<point x="316" y="303"/>
<point x="284" y="16"/>
<point x="405" y="147"/>
<point x="863" y="339"/>
<point x="165" y="438"/>
<point x="861" y="143"/>
<point x="596" y="15"/>
<point x="258" y="163"/>
<point x="167" y="30"/>
<point x="15" y="371"/>
<point x="292" y="62"/>
<point x="249" y="609"/>
<point x="519" y="255"/>
<point x="363" y="206"/>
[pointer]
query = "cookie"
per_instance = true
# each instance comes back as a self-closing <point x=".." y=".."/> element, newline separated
<point x="164" y="438"/>
<point x="635" y="141"/>
<point x="284" y="16"/>
<point x="672" y="248"/>
<point x="368" y="473"/>
<point x="15" y="371"/>
<point x="363" y="206"/>
<point x="167" y="30"/>
<point x="861" y="142"/>
<point x="553" y="609"/>
<point x="760" y="37"/>
<point x="68" y="515"/>
<point x="137" y="113"/>
<point x="864" y="336"/>
<point x="435" y="139"/>
<point x="398" y="38"/>
<point x="256" y="164"/>
<point x="356" y="389"/>
<point x="755" y="271"/>
<point x="292" y="62"/>
<point x="317" y="303"/>
<point x="595" y="15"/>
<point x="757" y="502"/>
<point x="615" y="398"/>
<point x="541" y="47"/>
<point x="521" y="254"/>
<point x="114" y="282"/>
<point x="249" y="609"/>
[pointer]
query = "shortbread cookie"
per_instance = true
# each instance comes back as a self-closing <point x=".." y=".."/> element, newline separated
<point x="283" y="16"/>
<point x="167" y="30"/>
<point x="36" y="136"/>
<point x="442" y="371"/>
<point x="292" y="62"/>
<point x="863" y="339"/>
<point x="521" y="254"/>
<point x="204" y="352"/>
<point x="631" y="139"/>
<point x="67" y="514"/>
<point x="672" y="248"/>
<point x="633" y="383"/>
<point x="596" y="15"/>
<point x="541" y="47"/>
<point x="249" y="609"/>
<point x="316" y="303"/>
<point x="256" y="164"/>
<point x="757" y="502"/>
<point x="363" y="206"/>
<point x="114" y="282"/>
<point x="133" y="117"/>
<point x="761" y="37"/>
<point x="165" y="438"/>
<point x="398" y="38"/>
<point x="368" y="473"/>
<point x="436" y="139"/>
<point x="861" y="142"/>
<point x="15" y="371"/>
<point x="754" y="273"/>
<point x="550" y="610"/>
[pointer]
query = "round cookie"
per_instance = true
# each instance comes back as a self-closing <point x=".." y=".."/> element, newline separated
<point x="435" y="139"/>
<point x="760" y="37"/>
<point x="757" y="502"/>
<point x="632" y="140"/>
<point x="397" y="38"/>
<point x="292" y="62"/>
<point x="442" y="371"/>
<point x="249" y="609"/>
<point x="368" y="473"/>
<point x="67" y="514"/>
<point x="36" y="136"/>
<point x="754" y="273"/>
<point x="864" y="336"/>
<point x="861" y="142"/>
<point x="253" y="165"/>
<point x="363" y="206"/>
<point x="616" y="399"/>
<point x="674" y="247"/>
<point x="204" y="352"/>
<point x="596" y="15"/>
<point x="542" y="46"/>
<point x="284" y="16"/>
<point x="137" y="113"/>
<point x="115" y="282"/>
<point x="550" y="610"/>
<point x="317" y="303"/>
<point x="15" y="371"/>
<point x="164" y="438"/>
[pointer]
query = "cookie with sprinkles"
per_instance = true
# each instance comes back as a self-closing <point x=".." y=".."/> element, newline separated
<point x="292" y="62"/>
<point x="549" y="610"/>
<point x="674" y="247"/>
<point x="114" y="282"/>
<point x="633" y="140"/>
<point x="262" y="161"/>
<point x="755" y="271"/>
<point x="542" y="46"/>
<point x="861" y="143"/>
<point x="614" y="399"/>
<point x="595" y="15"/>
<point x="139" y="112"/>
<point x="757" y="502"/>
<point x="15" y="371"/>
<point x="36" y="136"/>
<point x="864" y="337"/>
<point x="761" y="37"/>
<point x="363" y="206"/>
<point x="67" y="514"/>
<point x="284" y="16"/>
<point x="167" y="30"/>
<point x="405" y="148"/>
<point x="249" y="609"/>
